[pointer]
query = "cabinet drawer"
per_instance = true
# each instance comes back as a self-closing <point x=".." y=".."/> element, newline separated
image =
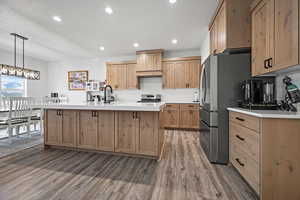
<point x="245" y="139"/>
<point x="247" y="167"/>
<point x="172" y="107"/>
<point x="245" y="120"/>
<point x="189" y="106"/>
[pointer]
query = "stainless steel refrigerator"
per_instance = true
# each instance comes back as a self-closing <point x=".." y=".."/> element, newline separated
<point x="220" y="87"/>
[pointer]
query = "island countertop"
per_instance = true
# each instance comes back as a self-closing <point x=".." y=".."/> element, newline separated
<point x="117" y="106"/>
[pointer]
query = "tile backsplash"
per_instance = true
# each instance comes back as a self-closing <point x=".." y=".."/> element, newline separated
<point x="153" y="85"/>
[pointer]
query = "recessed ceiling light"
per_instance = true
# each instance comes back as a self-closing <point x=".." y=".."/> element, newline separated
<point x="109" y="10"/>
<point x="172" y="1"/>
<point x="101" y="48"/>
<point x="136" y="45"/>
<point x="57" y="18"/>
<point x="174" y="41"/>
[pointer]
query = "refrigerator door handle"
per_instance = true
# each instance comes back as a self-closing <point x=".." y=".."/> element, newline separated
<point x="203" y="76"/>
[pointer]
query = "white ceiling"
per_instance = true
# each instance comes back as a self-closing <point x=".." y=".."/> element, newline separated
<point x="85" y="26"/>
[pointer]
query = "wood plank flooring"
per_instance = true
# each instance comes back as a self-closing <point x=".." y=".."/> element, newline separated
<point x="183" y="174"/>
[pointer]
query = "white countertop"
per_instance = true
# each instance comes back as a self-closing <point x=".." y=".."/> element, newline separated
<point x="267" y="113"/>
<point x="182" y="102"/>
<point x="155" y="107"/>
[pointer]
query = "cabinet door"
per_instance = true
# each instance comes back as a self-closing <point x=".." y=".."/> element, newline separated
<point x="221" y="22"/>
<point x="131" y="76"/>
<point x="189" y="116"/>
<point x="180" y="74"/>
<point x="147" y="133"/>
<point x="149" y="62"/>
<point x="169" y="75"/>
<point x="106" y="130"/>
<point x="121" y="77"/>
<point x="286" y="34"/>
<point x="171" y="116"/>
<point x="262" y="36"/>
<point x="125" y="132"/>
<point x="214" y="37"/>
<point x="69" y="128"/>
<point x="112" y="76"/>
<point x="53" y="127"/>
<point x="87" y="137"/>
<point x="193" y="76"/>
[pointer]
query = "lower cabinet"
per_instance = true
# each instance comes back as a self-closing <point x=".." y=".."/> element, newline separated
<point x="127" y="132"/>
<point x="106" y="130"/>
<point x="69" y="128"/>
<point x="265" y="151"/>
<point x="184" y="116"/>
<point x="61" y="127"/>
<point x="137" y="132"/>
<point x="125" y="126"/>
<point x="53" y="127"/>
<point x="88" y="129"/>
<point x="147" y="133"/>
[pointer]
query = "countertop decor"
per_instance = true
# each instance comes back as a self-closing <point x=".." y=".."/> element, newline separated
<point x="77" y="79"/>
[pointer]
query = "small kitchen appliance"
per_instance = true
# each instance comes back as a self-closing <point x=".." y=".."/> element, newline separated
<point x="150" y="98"/>
<point x="259" y="93"/>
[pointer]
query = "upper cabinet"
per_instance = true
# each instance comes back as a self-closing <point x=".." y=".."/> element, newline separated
<point x="230" y="28"/>
<point x="186" y="70"/>
<point x="275" y="35"/>
<point x="122" y="75"/>
<point x="149" y="63"/>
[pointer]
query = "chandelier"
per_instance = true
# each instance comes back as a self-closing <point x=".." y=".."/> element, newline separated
<point x="19" y="71"/>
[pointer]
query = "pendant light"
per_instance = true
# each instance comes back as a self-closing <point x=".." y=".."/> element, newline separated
<point x="19" y="71"/>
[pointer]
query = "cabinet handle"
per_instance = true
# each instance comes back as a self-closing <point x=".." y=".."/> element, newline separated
<point x="270" y="62"/>
<point x="266" y="64"/>
<point x="240" y="163"/>
<point x="188" y="85"/>
<point x="240" y="138"/>
<point x="133" y="115"/>
<point x="240" y="119"/>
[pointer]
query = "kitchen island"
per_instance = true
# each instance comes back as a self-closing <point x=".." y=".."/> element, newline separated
<point x="117" y="128"/>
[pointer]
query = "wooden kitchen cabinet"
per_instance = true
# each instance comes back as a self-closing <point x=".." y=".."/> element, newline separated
<point x="147" y="133"/>
<point x="265" y="151"/>
<point x="275" y="35"/>
<point x="181" y="72"/>
<point x="189" y="116"/>
<point x="169" y="75"/>
<point x="171" y="116"/>
<point x="125" y="132"/>
<point x="149" y="63"/>
<point x="132" y="80"/>
<point x="122" y="75"/>
<point x="106" y="130"/>
<point x="88" y="130"/>
<point x="230" y="28"/>
<point x="53" y="127"/>
<point x="60" y="127"/>
<point x="69" y="128"/>
<point x="184" y="116"/>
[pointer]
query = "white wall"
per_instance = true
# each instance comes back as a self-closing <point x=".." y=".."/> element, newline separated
<point x="58" y="77"/>
<point x="205" y="48"/>
<point x="35" y="88"/>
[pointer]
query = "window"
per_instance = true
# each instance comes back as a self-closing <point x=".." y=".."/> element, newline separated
<point x="11" y="86"/>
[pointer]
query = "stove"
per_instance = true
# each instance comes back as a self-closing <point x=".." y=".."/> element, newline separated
<point x="150" y="98"/>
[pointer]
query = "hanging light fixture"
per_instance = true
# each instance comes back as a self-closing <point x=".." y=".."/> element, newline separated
<point x="19" y="71"/>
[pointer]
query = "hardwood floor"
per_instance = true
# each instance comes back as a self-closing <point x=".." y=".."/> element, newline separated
<point x="184" y="173"/>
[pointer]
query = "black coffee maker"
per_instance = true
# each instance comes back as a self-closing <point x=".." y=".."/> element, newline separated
<point x="259" y="93"/>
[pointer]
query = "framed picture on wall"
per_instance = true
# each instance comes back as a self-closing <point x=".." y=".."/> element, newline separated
<point x="77" y="80"/>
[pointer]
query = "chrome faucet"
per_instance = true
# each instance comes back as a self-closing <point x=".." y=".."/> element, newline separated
<point x="106" y="97"/>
